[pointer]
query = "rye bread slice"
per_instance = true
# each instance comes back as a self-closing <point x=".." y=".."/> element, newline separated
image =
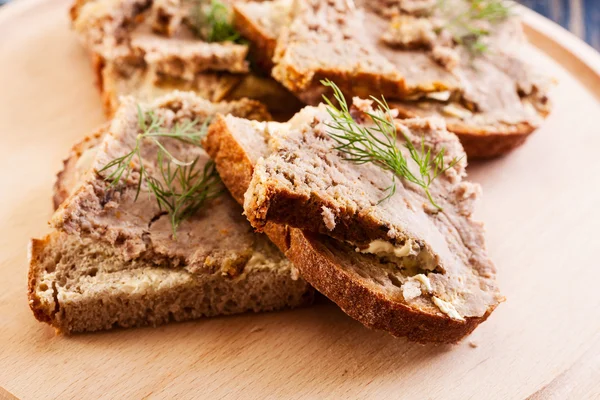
<point x="82" y="281"/>
<point x="144" y="49"/>
<point x="133" y="32"/>
<point x="322" y="210"/>
<point x="122" y="77"/>
<point x="492" y="101"/>
<point x="115" y="80"/>
<point x="83" y="285"/>
<point x="158" y="56"/>
<point x="98" y="209"/>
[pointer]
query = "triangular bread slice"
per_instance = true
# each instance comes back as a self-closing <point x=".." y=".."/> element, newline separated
<point x="492" y="101"/>
<point x="395" y="264"/>
<point x="114" y="262"/>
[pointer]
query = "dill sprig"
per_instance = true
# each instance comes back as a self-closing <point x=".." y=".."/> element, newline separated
<point x="211" y="20"/>
<point x="378" y="144"/>
<point x="184" y="187"/>
<point x="467" y="27"/>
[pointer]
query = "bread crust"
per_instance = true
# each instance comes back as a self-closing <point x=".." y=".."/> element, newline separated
<point x="372" y="309"/>
<point x="275" y="287"/>
<point x="62" y="186"/>
<point x="262" y="47"/>
<point x="311" y="91"/>
<point x="481" y="142"/>
<point x="315" y="264"/>
<point x="153" y="308"/>
<point x="34" y="249"/>
<point x="107" y="98"/>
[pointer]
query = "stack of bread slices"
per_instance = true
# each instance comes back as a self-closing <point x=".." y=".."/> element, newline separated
<point x="259" y="150"/>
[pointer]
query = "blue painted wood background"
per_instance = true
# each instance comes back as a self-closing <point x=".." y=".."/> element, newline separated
<point x="582" y="17"/>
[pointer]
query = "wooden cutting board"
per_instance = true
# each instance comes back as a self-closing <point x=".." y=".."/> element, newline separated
<point x="541" y="205"/>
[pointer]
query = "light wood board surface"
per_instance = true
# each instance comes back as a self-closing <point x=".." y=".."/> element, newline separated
<point x="541" y="205"/>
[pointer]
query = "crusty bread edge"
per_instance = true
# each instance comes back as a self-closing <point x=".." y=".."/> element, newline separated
<point x="60" y="193"/>
<point x="306" y="85"/>
<point x="108" y="98"/>
<point x="262" y="46"/>
<point x="35" y="303"/>
<point x="46" y="312"/>
<point x="482" y="142"/>
<point x="371" y="309"/>
<point x="36" y="249"/>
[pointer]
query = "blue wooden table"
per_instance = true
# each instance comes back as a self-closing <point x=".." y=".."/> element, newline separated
<point x="582" y="17"/>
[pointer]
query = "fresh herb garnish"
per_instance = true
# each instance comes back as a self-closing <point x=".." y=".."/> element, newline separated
<point x="472" y="23"/>
<point x="186" y="188"/>
<point x="183" y="187"/>
<point x="211" y="20"/>
<point x="378" y="144"/>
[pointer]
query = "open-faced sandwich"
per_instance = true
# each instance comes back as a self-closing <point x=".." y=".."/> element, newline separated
<point x="373" y="211"/>
<point x="145" y="233"/>
<point x="147" y="48"/>
<point x="463" y="60"/>
<point x="365" y="200"/>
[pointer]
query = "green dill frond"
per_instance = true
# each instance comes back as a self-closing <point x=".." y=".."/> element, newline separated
<point x="182" y="188"/>
<point x="466" y="25"/>
<point x="377" y="144"/>
<point x="211" y="20"/>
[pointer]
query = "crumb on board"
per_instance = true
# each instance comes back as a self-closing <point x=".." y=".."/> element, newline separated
<point x="473" y="344"/>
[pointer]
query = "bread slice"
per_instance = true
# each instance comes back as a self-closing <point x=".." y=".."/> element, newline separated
<point x="84" y="285"/>
<point x="146" y="50"/>
<point x="492" y="101"/>
<point x="126" y="31"/>
<point x="83" y="277"/>
<point x="261" y="22"/>
<point x="398" y="265"/>
<point x="327" y="40"/>
<point x="115" y="82"/>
